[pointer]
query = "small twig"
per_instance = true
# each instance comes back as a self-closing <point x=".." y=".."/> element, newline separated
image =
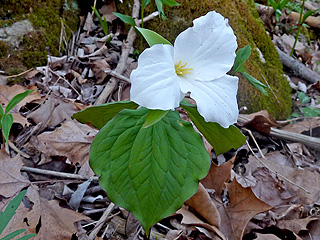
<point x="271" y="89"/>
<point x="255" y="142"/>
<point x="113" y="82"/>
<point x="311" y="142"/>
<point x="101" y="221"/>
<point x="14" y="148"/>
<point x="56" y="174"/>
<point x="117" y="75"/>
<point x="149" y="17"/>
<point x="89" y="27"/>
<point x="59" y="77"/>
<point x="17" y="75"/>
<point x="274" y="172"/>
<point x="297" y="119"/>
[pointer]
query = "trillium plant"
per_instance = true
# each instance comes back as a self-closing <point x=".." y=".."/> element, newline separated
<point x="149" y="160"/>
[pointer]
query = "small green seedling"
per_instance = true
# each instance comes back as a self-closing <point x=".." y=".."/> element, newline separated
<point x="8" y="213"/>
<point x="6" y="119"/>
<point x="103" y="22"/>
<point x="277" y="7"/>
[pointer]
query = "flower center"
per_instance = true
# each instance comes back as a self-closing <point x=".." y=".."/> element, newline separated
<point x="181" y="69"/>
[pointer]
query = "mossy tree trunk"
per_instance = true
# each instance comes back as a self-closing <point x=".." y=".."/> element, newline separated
<point x="263" y="64"/>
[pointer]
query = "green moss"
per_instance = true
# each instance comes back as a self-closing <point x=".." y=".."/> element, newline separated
<point x="249" y="29"/>
<point x="46" y="17"/>
<point x="4" y="49"/>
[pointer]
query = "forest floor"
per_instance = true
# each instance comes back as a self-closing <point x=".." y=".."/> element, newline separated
<point x="267" y="189"/>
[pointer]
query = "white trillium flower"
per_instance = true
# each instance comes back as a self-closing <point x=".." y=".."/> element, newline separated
<point x="197" y="63"/>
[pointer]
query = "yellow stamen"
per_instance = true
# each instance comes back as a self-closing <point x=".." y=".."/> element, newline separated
<point x="180" y="70"/>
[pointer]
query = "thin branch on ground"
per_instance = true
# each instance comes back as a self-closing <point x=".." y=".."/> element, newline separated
<point x="20" y="74"/>
<point x="265" y="164"/>
<point x="57" y="174"/>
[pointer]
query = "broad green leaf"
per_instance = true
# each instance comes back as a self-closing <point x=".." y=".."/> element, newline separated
<point x="10" y="210"/>
<point x="221" y="139"/>
<point x="242" y="55"/>
<point x="126" y="19"/>
<point x="150" y="171"/>
<point x="153" y="116"/>
<point x="6" y="123"/>
<point x="170" y="3"/>
<point x="256" y="83"/>
<point x="99" y="115"/>
<point x="16" y="99"/>
<point x="152" y="37"/>
<point x="308" y="14"/>
<point x="13" y="234"/>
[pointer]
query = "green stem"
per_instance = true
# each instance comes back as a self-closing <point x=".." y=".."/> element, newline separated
<point x="299" y="27"/>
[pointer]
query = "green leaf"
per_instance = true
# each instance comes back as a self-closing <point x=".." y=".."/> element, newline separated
<point x="145" y="3"/>
<point x="151" y="171"/>
<point x="273" y="4"/>
<point x="304" y="99"/>
<point x="13" y="234"/>
<point x="16" y="99"/>
<point x="170" y="3"/>
<point x="160" y="9"/>
<point x="294" y="115"/>
<point x="283" y="3"/>
<point x="103" y="23"/>
<point x="256" y="83"/>
<point x="308" y="14"/>
<point x="99" y="115"/>
<point x="6" y="122"/>
<point x="152" y="37"/>
<point x="1" y="114"/>
<point x="126" y="19"/>
<point x="10" y="210"/>
<point x="153" y="116"/>
<point x="242" y="55"/>
<point x="221" y="139"/>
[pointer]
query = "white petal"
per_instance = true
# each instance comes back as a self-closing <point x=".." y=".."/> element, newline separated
<point x="154" y="84"/>
<point x="216" y="100"/>
<point x="208" y="47"/>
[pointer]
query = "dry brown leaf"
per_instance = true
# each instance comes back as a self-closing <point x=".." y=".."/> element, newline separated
<point x="266" y="237"/>
<point x="243" y="206"/>
<point x="218" y="176"/>
<point x="202" y="204"/>
<point x="107" y="11"/>
<point x="11" y="180"/>
<point x="261" y="121"/>
<point x="98" y="67"/>
<point x="269" y="188"/>
<point x="174" y="234"/>
<point x="302" y="177"/>
<point x="295" y="225"/>
<point x="7" y="93"/>
<point x="305" y="126"/>
<point x="190" y="219"/>
<point x="72" y="140"/>
<point x="56" y="222"/>
<point x="54" y="111"/>
<point x="314" y="230"/>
